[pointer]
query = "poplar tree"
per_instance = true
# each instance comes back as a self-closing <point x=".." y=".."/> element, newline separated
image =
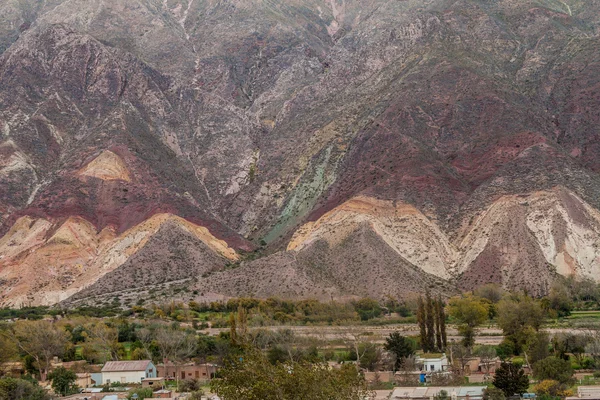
<point x="438" y="324"/>
<point x="421" y="320"/>
<point x="430" y="327"/>
<point x="442" y="319"/>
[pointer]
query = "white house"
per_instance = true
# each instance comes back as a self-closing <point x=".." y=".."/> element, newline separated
<point x="432" y="363"/>
<point x="127" y="371"/>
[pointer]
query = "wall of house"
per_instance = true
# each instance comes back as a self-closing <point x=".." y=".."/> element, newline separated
<point x="381" y="376"/>
<point x="202" y="372"/>
<point x="123" y="377"/>
<point x="151" y="371"/>
<point x="438" y="365"/>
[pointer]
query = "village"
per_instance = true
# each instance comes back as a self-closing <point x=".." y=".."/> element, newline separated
<point x="430" y="373"/>
<point x="428" y="349"/>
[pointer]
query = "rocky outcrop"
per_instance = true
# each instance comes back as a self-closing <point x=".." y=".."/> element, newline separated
<point x="107" y="166"/>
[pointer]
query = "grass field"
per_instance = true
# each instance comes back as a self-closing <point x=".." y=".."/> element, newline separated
<point x="584" y="315"/>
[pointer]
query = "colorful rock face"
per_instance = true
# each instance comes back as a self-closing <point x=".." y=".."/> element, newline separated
<point x="363" y="147"/>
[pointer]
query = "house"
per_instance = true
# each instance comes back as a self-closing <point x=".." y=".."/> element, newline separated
<point x="432" y="363"/>
<point x="127" y="371"/>
<point x="427" y="393"/>
<point x="202" y="372"/>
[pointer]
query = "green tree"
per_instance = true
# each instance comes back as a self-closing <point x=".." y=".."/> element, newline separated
<point x="553" y="368"/>
<point x="505" y="350"/>
<point x="564" y="343"/>
<point x="470" y="312"/>
<point x="537" y="347"/>
<point x="8" y="349"/>
<point x="367" y="309"/>
<point x="252" y="377"/>
<point x="438" y="310"/>
<point x="421" y="320"/>
<point x="429" y="321"/>
<point x="401" y="347"/>
<point x="559" y="300"/>
<point x="442" y="322"/>
<point x="511" y="379"/>
<point x="19" y="389"/>
<point x="519" y="316"/>
<point x="63" y="381"/>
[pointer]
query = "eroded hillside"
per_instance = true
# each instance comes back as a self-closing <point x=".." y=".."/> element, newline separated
<point x="337" y="147"/>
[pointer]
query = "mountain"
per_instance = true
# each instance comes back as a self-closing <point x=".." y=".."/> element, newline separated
<point x="298" y="148"/>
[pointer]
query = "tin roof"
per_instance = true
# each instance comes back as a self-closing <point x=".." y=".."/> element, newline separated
<point x="118" y="366"/>
<point x="426" y="392"/>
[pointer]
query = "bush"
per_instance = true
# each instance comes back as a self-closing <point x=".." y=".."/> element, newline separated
<point x="442" y="395"/>
<point x="197" y="395"/>
<point x="189" y="385"/>
<point x="588" y="363"/>
<point x="548" y="397"/>
<point x="552" y="388"/>
<point x="144" y="393"/>
<point x="493" y="393"/>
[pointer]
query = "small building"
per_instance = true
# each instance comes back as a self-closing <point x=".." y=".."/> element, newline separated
<point x="587" y="393"/>
<point x="162" y="394"/>
<point x="127" y="371"/>
<point x="83" y="380"/>
<point x="427" y="393"/>
<point x="432" y="363"/>
<point x="201" y="372"/>
<point x="12" y="369"/>
<point x="153" y="382"/>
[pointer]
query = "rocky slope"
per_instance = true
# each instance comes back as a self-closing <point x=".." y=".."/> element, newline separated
<point x="366" y="147"/>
